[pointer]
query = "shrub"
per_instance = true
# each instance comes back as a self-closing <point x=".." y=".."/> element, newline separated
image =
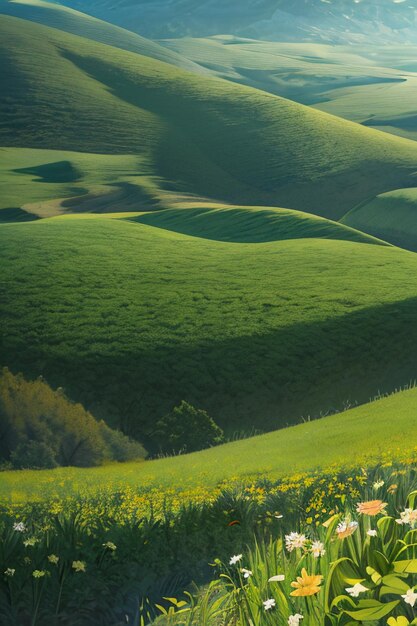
<point x="186" y="429"/>
<point x="40" y="425"/>
<point x="33" y="455"/>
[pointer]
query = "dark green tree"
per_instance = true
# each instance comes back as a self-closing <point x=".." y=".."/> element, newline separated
<point x="186" y="429"/>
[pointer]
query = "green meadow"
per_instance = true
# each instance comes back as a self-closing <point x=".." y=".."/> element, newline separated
<point x="246" y="331"/>
<point x="204" y="241"/>
<point x="372" y="432"/>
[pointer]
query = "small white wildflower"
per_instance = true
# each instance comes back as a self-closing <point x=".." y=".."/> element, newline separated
<point x="294" y="620"/>
<point x="247" y="573"/>
<point x="19" y="527"/>
<point x="410" y="597"/>
<point x="235" y="559"/>
<point x="372" y="533"/>
<point x="378" y="484"/>
<point x="9" y="571"/>
<point x="317" y="549"/>
<point x="294" y="541"/>
<point x="110" y="546"/>
<point x="276" y="579"/>
<point x="269" y="604"/>
<point x="38" y="573"/>
<point x="356" y="590"/>
<point x="408" y="516"/>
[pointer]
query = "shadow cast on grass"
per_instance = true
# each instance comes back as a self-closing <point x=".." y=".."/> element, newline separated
<point x="263" y="381"/>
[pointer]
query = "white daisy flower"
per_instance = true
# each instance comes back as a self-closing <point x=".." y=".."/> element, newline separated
<point x="317" y="549"/>
<point x="356" y="590"/>
<point x="235" y="559"/>
<point x="294" y="541"/>
<point x="269" y="604"/>
<point x="410" y="597"/>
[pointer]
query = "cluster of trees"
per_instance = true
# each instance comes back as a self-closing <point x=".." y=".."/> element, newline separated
<point x="42" y="428"/>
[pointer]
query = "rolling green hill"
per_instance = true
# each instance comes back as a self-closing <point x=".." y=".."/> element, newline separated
<point x="132" y="319"/>
<point x="194" y="135"/>
<point x="250" y="224"/>
<point x="304" y="72"/>
<point x="372" y="85"/>
<point x="391" y="216"/>
<point x="368" y="433"/>
<point x="70" y="21"/>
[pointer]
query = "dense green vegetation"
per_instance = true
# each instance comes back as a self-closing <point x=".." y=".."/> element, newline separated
<point x="95" y="560"/>
<point x="194" y="134"/>
<point x="392" y="216"/>
<point x="40" y="428"/>
<point x="157" y="317"/>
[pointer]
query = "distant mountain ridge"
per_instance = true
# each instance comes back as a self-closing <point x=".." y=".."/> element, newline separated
<point x="328" y="21"/>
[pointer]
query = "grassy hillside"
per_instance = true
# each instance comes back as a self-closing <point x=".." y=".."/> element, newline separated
<point x="391" y="216"/>
<point x="304" y="72"/>
<point x="372" y="431"/>
<point x="71" y="21"/>
<point x="249" y="224"/>
<point x="41" y="183"/>
<point x="194" y="134"/>
<point x="132" y="319"/>
<point x="371" y="85"/>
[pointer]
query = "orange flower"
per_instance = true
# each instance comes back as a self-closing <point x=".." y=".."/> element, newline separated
<point x="306" y="585"/>
<point x="346" y="529"/>
<point x="373" y="507"/>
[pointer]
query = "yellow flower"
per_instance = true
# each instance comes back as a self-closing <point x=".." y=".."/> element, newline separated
<point x="306" y="585"/>
<point x="78" y="566"/>
<point x="38" y="573"/>
<point x="110" y="545"/>
<point x="52" y="558"/>
<point x="373" y="507"/>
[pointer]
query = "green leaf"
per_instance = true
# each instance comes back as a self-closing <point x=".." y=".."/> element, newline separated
<point x="369" y="610"/>
<point x="393" y="585"/>
<point x="408" y="566"/>
<point x="375" y="576"/>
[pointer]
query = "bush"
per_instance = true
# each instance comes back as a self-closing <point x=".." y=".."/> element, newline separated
<point x="186" y="429"/>
<point x="40" y="427"/>
<point x="33" y="455"/>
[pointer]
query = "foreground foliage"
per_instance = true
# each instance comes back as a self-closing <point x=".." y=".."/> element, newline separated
<point x="96" y="560"/>
<point x="358" y="567"/>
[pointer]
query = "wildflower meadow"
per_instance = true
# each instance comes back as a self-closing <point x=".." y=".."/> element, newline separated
<point x="335" y="547"/>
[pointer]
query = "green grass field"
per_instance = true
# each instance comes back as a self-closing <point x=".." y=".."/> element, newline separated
<point x="43" y="182"/>
<point x="131" y="319"/>
<point x="378" y="430"/>
<point x="391" y="216"/>
<point x="194" y="135"/>
<point x="250" y="224"/>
